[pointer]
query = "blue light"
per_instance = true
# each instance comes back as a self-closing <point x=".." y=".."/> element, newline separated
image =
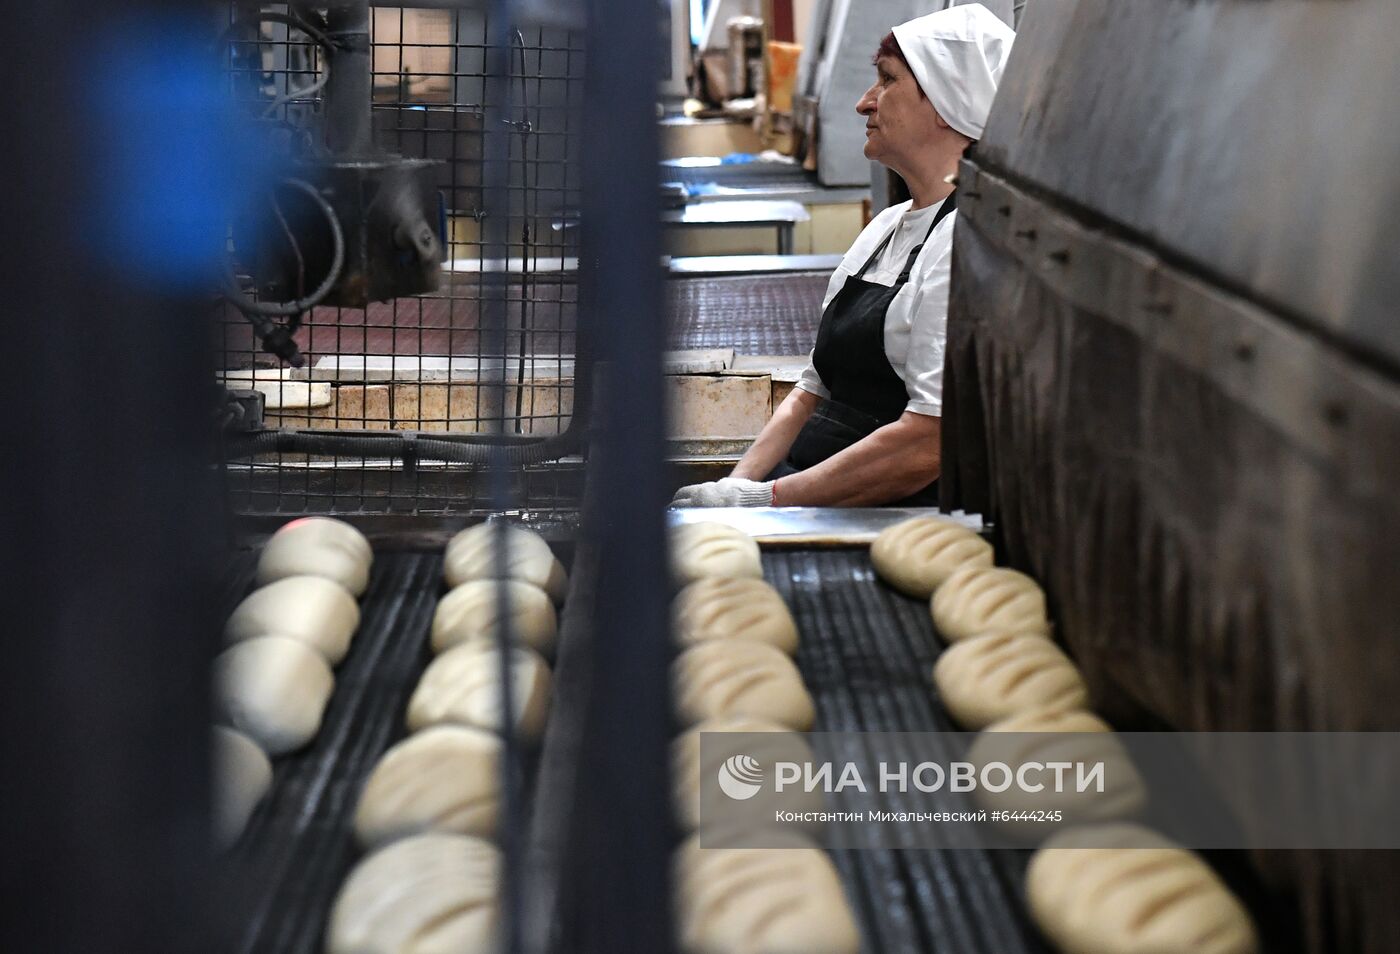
<point x="169" y="153"/>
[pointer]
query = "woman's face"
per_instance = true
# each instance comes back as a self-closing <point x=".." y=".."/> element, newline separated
<point x="899" y="121"/>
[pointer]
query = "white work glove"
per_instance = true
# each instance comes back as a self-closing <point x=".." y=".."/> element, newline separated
<point x="729" y="492"/>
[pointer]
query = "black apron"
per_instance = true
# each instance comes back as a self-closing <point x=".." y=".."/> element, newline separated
<point x="866" y="392"/>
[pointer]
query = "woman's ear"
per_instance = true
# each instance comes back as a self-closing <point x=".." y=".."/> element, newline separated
<point x="942" y="123"/>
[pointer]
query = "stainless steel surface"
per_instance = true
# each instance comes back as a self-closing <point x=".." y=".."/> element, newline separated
<point x="814" y="526"/>
<point x="751" y="264"/>
<point x="1257" y="143"/>
<point x="806" y="194"/>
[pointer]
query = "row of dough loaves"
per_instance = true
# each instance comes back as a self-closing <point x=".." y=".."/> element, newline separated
<point x="715" y="621"/>
<point x="428" y="807"/>
<point x="928" y="557"/>
<point x="735" y="633"/>
<point x="734" y="674"/>
<point x="1003" y="673"/>
<point x="1110" y="888"/>
<point x="274" y="679"/>
<point x="1002" y="661"/>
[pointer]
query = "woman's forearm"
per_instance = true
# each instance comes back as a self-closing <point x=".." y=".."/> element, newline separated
<point x="888" y="465"/>
<point x="775" y="440"/>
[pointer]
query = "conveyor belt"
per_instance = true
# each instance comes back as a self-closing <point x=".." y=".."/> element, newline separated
<point x="284" y="873"/>
<point x="866" y="655"/>
<point x="765" y="314"/>
<point x="773" y="313"/>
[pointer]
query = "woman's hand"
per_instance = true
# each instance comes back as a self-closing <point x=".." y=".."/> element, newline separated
<point x="729" y="492"/>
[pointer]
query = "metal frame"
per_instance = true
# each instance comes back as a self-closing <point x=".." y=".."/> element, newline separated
<point x="417" y="415"/>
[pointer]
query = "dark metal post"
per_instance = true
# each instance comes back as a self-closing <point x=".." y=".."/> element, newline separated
<point x="351" y="89"/>
<point x="621" y="864"/>
<point x="110" y="535"/>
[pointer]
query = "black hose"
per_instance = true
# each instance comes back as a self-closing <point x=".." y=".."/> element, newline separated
<point x="475" y="449"/>
<point x="283" y="309"/>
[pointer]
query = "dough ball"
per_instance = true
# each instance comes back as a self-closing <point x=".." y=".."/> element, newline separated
<point x="445" y="779"/>
<point x="702" y="550"/>
<point x="991" y="677"/>
<point x="468" y="613"/>
<point x="1121" y="889"/>
<point x="317" y="546"/>
<point x="988" y="599"/>
<point x="313" y="609"/>
<point x="732" y="678"/>
<point x="470" y="556"/>
<point x="1058" y="735"/>
<point x="242" y="775"/>
<point x="777" y="900"/>
<point x="916" y="556"/>
<point x="463" y="687"/>
<point x="776" y="743"/>
<point x="429" y="894"/>
<point x="275" y="689"/>
<point x="745" y="609"/>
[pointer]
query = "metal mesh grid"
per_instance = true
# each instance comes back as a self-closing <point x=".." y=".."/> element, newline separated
<point x="776" y="315"/>
<point x="418" y="364"/>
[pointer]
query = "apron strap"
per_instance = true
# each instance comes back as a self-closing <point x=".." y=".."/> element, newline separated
<point x="949" y="204"/>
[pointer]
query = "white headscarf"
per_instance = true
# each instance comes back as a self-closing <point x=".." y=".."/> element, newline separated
<point x="958" y="55"/>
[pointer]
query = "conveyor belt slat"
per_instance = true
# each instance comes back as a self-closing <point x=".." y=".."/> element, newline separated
<point x="867" y="655"/>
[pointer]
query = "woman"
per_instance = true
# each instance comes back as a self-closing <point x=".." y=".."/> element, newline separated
<point x="862" y="426"/>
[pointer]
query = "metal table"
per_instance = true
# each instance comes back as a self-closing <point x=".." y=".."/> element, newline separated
<point x="741" y="214"/>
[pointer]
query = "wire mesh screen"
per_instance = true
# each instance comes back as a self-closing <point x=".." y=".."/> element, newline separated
<point x="421" y="364"/>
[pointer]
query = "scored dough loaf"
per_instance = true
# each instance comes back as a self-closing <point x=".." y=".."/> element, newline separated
<point x="468" y="613"/>
<point x="732" y="678"/>
<point x="242" y="775"/>
<point x="1052" y="735"/>
<point x="771" y="900"/>
<point x="463" y="687"/>
<point x="988" y="599"/>
<point x="471" y="556"/>
<point x="317" y="546"/>
<point x="444" y="778"/>
<point x="991" y="677"/>
<point x="429" y="894"/>
<point x="1122" y="889"/>
<point x="916" y="556"/>
<point x="745" y="609"/>
<point x="274" y="689"/>
<point x="313" y="609"/>
<point x="709" y="549"/>
<point x="777" y="743"/>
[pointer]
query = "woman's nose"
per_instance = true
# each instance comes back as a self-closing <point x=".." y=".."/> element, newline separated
<point x="866" y="104"/>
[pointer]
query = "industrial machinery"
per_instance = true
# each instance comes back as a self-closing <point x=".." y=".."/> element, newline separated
<point x="469" y="354"/>
<point x="1172" y="374"/>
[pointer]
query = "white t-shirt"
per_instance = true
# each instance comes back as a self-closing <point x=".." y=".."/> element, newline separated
<point x="916" y="324"/>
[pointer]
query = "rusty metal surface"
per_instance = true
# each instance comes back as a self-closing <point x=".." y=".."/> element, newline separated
<point x="1205" y="490"/>
<point x="1255" y="141"/>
